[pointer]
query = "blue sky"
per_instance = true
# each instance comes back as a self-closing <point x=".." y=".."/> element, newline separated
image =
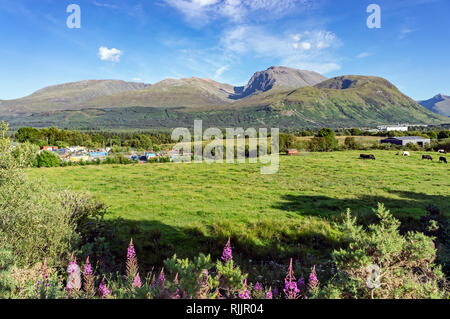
<point x="226" y="40"/>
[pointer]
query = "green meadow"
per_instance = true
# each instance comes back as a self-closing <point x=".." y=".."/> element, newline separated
<point x="191" y="208"/>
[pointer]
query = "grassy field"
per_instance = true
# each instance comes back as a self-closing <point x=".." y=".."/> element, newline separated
<point x="188" y="208"/>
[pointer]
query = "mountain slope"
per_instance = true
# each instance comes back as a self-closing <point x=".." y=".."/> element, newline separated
<point x="193" y="92"/>
<point x="67" y="96"/>
<point x="439" y="104"/>
<point x="344" y="101"/>
<point x="279" y="77"/>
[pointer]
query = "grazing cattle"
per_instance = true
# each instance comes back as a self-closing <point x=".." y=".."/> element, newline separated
<point x="442" y="151"/>
<point x="406" y="154"/>
<point x="427" y="157"/>
<point x="443" y="159"/>
<point x="367" y="156"/>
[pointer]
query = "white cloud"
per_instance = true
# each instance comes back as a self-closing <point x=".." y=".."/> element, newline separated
<point x="106" y="5"/>
<point x="305" y="45"/>
<point x="220" y="71"/>
<point x="363" y="55"/>
<point x="112" y="55"/>
<point x="404" y="32"/>
<point x="201" y="12"/>
<point x="296" y="37"/>
<point x="313" y="53"/>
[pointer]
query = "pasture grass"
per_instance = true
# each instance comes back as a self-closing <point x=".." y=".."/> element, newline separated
<point x="192" y="208"/>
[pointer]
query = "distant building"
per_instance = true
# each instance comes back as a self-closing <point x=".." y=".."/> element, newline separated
<point x="404" y="140"/>
<point x="77" y="159"/>
<point x="390" y="128"/>
<point x="94" y="155"/>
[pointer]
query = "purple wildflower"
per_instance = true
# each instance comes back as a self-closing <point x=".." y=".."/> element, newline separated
<point x="227" y="252"/>
<point x="43" y="278"/>
<point x="88" y="279"/>
<point x="258" y="287"/>
<point x="313" y="281"/>
<point x="269" y="294"/>
<point x="244" y="294"/>
<point x="132" y="263"/>
<point x="153" y="282"/>
<point x="290" y="287"/>
<point x="103" y="289"/>
<point x="161" y="278"/>
<point x="275" y="291"/>
<point x="87" y="268"/>
<point x="131" y="253"/>
<point x="73" y="266"/>
<point x="74" y="280"/>
<point x="302" y="285"/>
<point x="137" y="282"/>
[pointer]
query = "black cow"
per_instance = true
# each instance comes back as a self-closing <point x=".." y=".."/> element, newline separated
<point x="427" y="157"/>
<point x="367" y="156"/>
<point x="443" y="159"/>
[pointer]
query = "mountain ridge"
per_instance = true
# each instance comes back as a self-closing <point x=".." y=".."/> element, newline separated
<point x="439" y="104"/>
<point x="279" y="76"/>
<point x="286" y="100"/>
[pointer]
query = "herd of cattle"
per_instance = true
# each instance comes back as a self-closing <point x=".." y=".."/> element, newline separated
<point x="406" y="153"/>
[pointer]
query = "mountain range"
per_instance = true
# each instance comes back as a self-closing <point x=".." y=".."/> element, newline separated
<point x="279" y="96"/>
<point x="439" y="104"/>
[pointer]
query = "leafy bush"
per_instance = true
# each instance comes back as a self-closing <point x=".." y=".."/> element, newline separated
<point x="444" y="134"/>
<point x="25" y="154"/>
<point x="36" y="221"/>
<point x="405" y="262"/>
<point x="286" y="141"/>
<point x="48" y="159"/>
<point x="32" y="222"/>
<point x="351" y="143"/>
<point x="324" y="141"/>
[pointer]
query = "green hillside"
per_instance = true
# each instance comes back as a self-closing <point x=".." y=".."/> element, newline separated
<point x="347" y="101"/>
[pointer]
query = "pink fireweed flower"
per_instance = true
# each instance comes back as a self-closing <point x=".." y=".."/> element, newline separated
<point x="269" y="294"/>
<point x="258" y="287"/>
<point x="153" y="282"/>
<point x="227" y="254"/>
<point x="132" y="263"/>
<point x="244" y="294"/>
<point x="161" y="278"/>
<point x="88" y="279"/>
<point x="43" y="281"/>
<point x="87" y="268"/>
<point x="313" y="281"/>
<point x="103" y="290"/>
<point x="131" y="253"/>
<point x="137" y="282"/>
<point x="290" y="284"/>
<point x="74" y="280"/>
<point x="73" y="267"/>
